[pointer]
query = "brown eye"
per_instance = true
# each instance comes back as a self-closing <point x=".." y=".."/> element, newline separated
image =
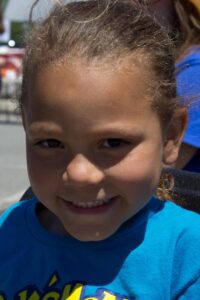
<point x="50" y="143"/>
<point x="114" y="143"/>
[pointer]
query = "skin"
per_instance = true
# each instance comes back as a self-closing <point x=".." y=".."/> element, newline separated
<point x="92" y="137"/>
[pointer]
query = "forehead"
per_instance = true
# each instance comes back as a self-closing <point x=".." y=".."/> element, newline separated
<point x="90" y="88"/>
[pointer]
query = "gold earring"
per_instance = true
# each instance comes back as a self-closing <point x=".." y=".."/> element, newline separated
<point x="164" y="190"/>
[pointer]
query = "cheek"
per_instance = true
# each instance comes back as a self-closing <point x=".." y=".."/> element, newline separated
<point x="44" y="173"/>
<point x="38" y="173"/>
<point x="139" y="171"/>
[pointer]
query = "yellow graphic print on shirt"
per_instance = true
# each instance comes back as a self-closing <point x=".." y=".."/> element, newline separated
<point x="72" y="291"/>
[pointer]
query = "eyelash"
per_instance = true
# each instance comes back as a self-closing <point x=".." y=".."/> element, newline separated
<point x="114" y="143"/>
<point x="50" y="144"/>
<point x="110" y="143"/>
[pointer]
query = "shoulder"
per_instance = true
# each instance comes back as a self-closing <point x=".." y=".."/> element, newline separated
<point x="177" y="232"/>
<point x="174" y="223"/>
<point x="185" y="229"/>
<point x="172" y="227"/>
<point x="13" y="215"/>
<point x="181" y="228"/>
<point x="14" y="230"/>
<point x="180" y="214"/>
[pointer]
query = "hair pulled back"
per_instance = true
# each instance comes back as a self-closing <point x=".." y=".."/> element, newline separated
<point x="104" y="30"/>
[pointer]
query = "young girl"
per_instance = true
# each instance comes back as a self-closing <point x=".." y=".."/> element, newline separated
<point x="182" y="17"/>
<point x="100" y="114"/>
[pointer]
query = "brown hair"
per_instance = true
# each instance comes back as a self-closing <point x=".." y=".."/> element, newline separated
<point x="186" y="28"/>
<point x="103" y="29"/>
<point x="188" y="24"/>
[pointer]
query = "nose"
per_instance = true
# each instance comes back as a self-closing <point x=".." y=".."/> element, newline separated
<point x="81" y="171"/>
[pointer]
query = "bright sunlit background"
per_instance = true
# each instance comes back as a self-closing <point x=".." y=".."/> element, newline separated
<point x="14" y="15"/>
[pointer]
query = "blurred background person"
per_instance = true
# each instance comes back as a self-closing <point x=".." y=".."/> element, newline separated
<point x="182" y="20"/>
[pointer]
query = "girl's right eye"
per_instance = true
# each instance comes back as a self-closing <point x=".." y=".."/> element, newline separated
<point x="50" y="144"/>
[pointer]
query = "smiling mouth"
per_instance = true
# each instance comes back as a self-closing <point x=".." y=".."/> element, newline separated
<point x="89" y="205"/>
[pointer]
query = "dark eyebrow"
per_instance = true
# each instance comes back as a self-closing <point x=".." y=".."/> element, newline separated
<point x="116" y="129"/>
<point x="42" y="128"/>
<point x="113" y="130"/>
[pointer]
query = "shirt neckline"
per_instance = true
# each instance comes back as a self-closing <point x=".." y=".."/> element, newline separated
<point x="44" y="236"/>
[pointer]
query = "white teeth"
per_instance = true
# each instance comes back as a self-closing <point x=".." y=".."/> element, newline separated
<point x="90" y="204"/>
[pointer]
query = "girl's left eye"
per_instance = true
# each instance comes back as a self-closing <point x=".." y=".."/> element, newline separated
<point x="114" y="143"/>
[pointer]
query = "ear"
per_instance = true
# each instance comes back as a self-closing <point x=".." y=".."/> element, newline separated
<point x="174" y="136"/>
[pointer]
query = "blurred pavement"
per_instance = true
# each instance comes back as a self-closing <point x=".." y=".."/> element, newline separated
<point x="13" y="174"/>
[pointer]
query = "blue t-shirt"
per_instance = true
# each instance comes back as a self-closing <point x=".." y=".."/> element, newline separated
<point x="188" y="89"/>
<point x="153" y="256"/>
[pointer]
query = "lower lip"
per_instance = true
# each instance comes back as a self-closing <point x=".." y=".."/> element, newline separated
<point x="90" y="210"/>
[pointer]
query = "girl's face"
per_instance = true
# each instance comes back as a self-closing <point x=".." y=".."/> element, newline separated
<point x="163" y="10"/>
<point x="95" y="148"/>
